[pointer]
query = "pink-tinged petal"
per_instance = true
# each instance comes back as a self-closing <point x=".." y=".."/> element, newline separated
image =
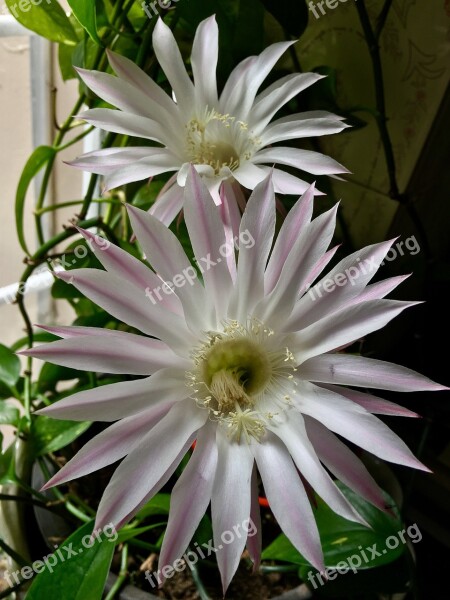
<point x="300" y="126"/>
<point x="306" y="160"/>
<point x="190" y="497"/>
<point x="285" y="183"/>
<point x="108" y="160"/>
<point x="293" y="226"/>
<point x="123" y="264"/>
<point x="373" y="404"/>
<point x="343" y="463"/>
<point x="254" y="538"/>
<point x="117" y="92"/>
<point x="131" y="306"/>
<point x="110" y="445"/>
<point x="158" y="485"/>
<point x="344" y="326"/>
<point x="231" y="218"/>
<point x="171" y="61"/>
<point x="288" y="499"/>
<point x="204" y="56"/>
<point x="235" y="79"/>
<point x="125" y="123"/>
<point x="355" y="424"/>
<point x="276" y="307"/>
<point x="168" y="204"/>
<point x="380" y="289"/>
<point x="208" y="237"/>
<point x="72" y="331"/>
<point x="128" y="71"/>
<point x="230" y="503"/>
<point x="166" y="255"/>
<point x="359" y="371"/>
<point x="123" y="399"/>
<point x="339" y="287"/>
<point x="292" y="433"/>
<point x="243" y="95"/>
<point x="149" y="460"/>
<point x="320" y="265"/>
<point x="269" y="102"/>
<point x="142" y="169"/>
<point x="258" y="225"/>
<point x="124" y="353"/>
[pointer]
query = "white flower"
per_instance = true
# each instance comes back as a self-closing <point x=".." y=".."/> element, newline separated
<point x="228" y="138"/>
<point x="246" y="362"/>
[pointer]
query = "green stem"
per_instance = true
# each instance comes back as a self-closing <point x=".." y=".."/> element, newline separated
<point x="198" y="582"/>
<point x="55" y="207"/>
<point x="123" y="574"/>
<point x="76" y="139"/>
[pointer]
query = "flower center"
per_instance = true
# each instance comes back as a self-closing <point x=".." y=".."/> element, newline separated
<point x="219" y="141"/>
<point x="237" y="371"/>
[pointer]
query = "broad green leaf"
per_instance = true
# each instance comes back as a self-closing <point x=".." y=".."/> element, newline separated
<point x="158" y="505"/>
<point x="37" y="160"/>
<point x="85" y="12"/>
<point x="46" y="18"/>
<point x="80" y="577"/>
<point x="341" y="538"/>
<point x="65" y="59"/>
<point x="9" y="415"/>
<point x="7" y="470"/>
<point x="291" y="14"/>
<point x="51" y="375"/>
<point x="9" y="366"/>
<point x="50" y="435"/>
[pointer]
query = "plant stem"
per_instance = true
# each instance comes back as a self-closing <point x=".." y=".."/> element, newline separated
<point x="199" y="584"/>
<point x="123" y="574"/>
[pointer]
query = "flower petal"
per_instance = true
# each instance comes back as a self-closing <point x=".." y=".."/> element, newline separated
<point x="257" y="224"/>
<point x="122" y="264"/>
<point x="346" y="281"/>
<point x="166" y="255"/>
<point x="288" y="499"/>
<point x="230" y="503"/>
<point x="207" y="235"/>
<point x="123" y="399"/>
<point x="205" y="53"/>
<point x="110" y="445"/>
<point x="142" y="169"/>
<point x="124" y="353"/>
<point x="343" y="463"/>
<point x="306" y="160"/>
<point x="292" y="433"/>
<point x="355" y="424"/>
<point x="345" y="326"/>
<point x="373" y="404"/>
<point x="360" y="371"/>
<point x="131" y="306"/>
<point x="108" y="160"/>
<point x="141" y="470"/>
<point x="254" y="538"/>
<point x="169" y="57"/>
<point x="301" y="125"/>
<point x="293" y="226"/>
<point x="190" y="497"/>
<point x="168" y="205"/>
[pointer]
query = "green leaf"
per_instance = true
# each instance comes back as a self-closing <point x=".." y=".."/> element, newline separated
<point x="50" y="435"/>
<point x="51" y="375"/>
<point x="9" y="366"/>
<point x="37" y="160"/>
<point x="46" y="18"/>
<point x="128" y="534"/>
<point x="158" y="505"/>
<point x="85" y="12"/>
<point x="83" y="576"/>
<point x="65" y="59"/>
<point x="7" y="470"/>
<point x="9" y="415"/>
<point x="291" y="14"/>
<point x="341" y="538"/>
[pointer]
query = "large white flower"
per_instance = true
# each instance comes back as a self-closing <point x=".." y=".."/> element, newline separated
<point x="246" y="362"/>
<point x="228" y="138"/>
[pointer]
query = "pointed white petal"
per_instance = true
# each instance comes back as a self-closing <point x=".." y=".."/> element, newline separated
<point x="205" y="53"/>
